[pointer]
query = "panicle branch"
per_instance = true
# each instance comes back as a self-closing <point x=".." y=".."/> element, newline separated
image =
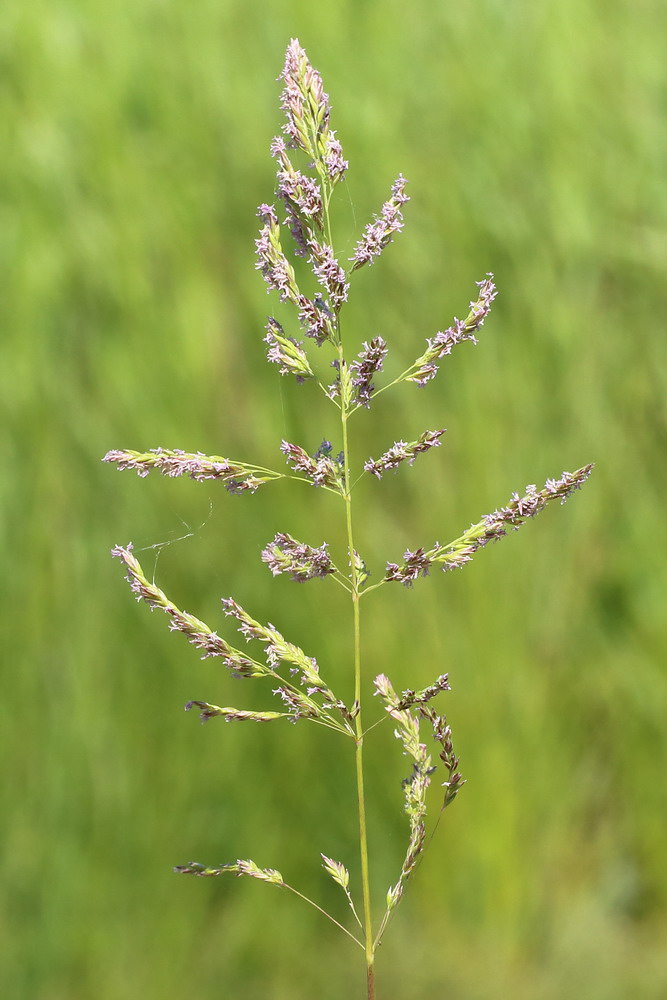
<point x="416" y="785"/>
<point x="403" y="452"/>
<point x="239" y="868"/>
<point x="425" y="368"/>
<point x="237" y="477"/>
<point x="489" y="529"/>
<point x="208" y="712"/>
<point x="379" y="233"/>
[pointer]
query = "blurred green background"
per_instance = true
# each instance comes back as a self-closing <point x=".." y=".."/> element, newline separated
<point x="136" y="153"/>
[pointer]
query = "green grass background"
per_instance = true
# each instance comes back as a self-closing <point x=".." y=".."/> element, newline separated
<point x="136" y="154"/>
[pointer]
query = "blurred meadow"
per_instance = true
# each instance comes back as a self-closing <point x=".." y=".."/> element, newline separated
<point x="533" y="136"/>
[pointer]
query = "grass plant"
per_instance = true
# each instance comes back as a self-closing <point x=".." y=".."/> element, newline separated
<point x="299" y="258"/>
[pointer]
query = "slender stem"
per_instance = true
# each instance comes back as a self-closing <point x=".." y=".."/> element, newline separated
<point x="359" y="743"/>
<point x="317" y="907"/>
<point x="354" y="581"/>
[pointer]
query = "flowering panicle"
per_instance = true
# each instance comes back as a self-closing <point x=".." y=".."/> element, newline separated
<point x="208" y="712"/>
<point x="196" y="631"/>
<point x="490" y="528"/>
<point x="321" y="468"/>
<point x="462" y="329"/>
<point x="414" y="786"/>
<point x="379" y="233"/>
<point x="403" y="452"/>
<point x="238" y="477"/>
<point x="303" y="199"/>
<point x="286" y="352"/>
<point x="302" y="562"/>
<point x="363" y="370"/>
<point x="240" y="868"/>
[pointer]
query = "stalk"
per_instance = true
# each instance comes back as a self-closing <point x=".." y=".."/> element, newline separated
<point x="359" y="741"/>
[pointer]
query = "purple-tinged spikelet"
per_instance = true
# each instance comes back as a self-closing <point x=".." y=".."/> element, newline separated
<point x="403" y="452"/>
<point x="286" y="352"/>
<point x="490" y="528"/>
<point x="321" y="468"/>
<point x="329" y="273"/>
<point x="276" y="270"/>
<point x="379" y="233"/>
<point x="415" y="564"/>
<point x="317" y="320"/>
<point x="365" y="368"/>
<point x="301" y="192"/>
<point x="334" y="161"/>
<point x="302" y="562"/>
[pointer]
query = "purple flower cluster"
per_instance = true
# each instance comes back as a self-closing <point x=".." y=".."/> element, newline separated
<point x="303" y="100"/>
<point x="363" y="370"/>
<point x="317" y="320"/>
<point x="307" y="112"/>
<point x="461" y="330"/>
<point x="379" y="233"/>
<point x="320" y="468"/>
<point x="302" y="562"/>
<point x="334" y="161"/>
<point x="286" y="352"/>
<point x="300" y="193"/>
<point x="329" y="273"/>
<point x="276" y="270"/>
<point x="490" y="528"/>
<point x="236" y="476"/>
<point x="403" y="452"/>
<point x="415" y="564"/>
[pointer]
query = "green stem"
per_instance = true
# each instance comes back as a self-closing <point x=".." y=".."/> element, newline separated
<point x="354" y="581"/>
<point x="359" y="742"/>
